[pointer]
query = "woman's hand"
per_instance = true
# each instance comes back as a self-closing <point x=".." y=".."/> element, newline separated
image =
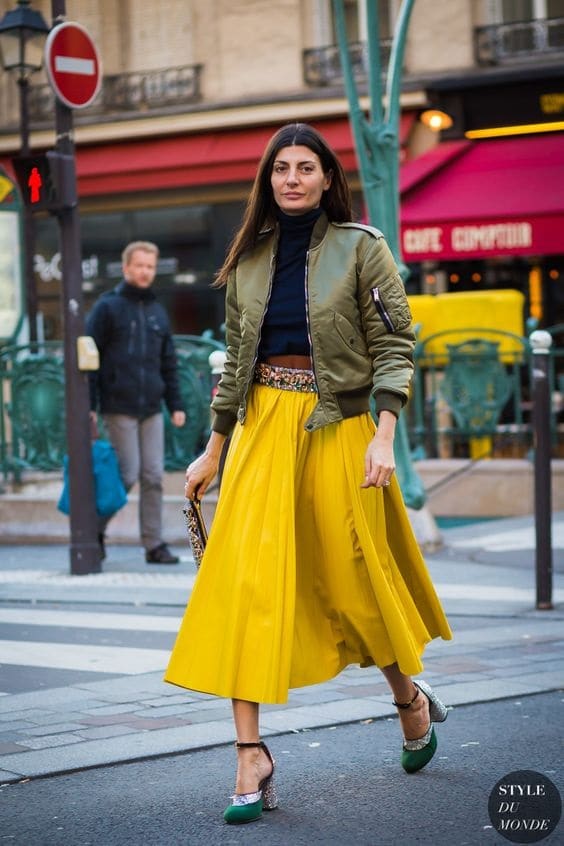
<point x="203" y="470"/>
<point x="379" y="461"/>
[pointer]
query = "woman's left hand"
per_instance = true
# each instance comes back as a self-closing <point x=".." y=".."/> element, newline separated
<point x="379" y="463"/>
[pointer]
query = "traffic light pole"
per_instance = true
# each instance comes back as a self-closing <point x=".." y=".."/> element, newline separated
<point x="28" y="223"/>
<point x="84" y="546"/>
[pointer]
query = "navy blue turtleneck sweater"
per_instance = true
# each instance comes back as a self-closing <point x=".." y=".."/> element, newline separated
<point x="284" y="330"/>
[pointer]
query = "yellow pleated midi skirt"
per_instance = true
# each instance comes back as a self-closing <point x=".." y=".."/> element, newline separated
<point x="304" y="572"/>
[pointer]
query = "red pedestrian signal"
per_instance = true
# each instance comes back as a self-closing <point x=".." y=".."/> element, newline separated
<point x="47" y="182"/>
<point x="35" y="184"/>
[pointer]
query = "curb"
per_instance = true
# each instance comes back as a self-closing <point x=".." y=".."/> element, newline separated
<point x="97" y="754"/>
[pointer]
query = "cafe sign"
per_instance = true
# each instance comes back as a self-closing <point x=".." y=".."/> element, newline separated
<point x="483" y="239"/>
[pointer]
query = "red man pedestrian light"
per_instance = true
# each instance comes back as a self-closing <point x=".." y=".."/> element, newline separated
<point x="35" y="184"/>
<point x="47" y="181"/>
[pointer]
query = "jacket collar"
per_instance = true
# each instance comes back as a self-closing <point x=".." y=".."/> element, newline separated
<point x="319" y="231"/>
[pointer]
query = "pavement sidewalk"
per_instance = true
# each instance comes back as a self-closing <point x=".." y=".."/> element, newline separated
<point x="485" y="575"/>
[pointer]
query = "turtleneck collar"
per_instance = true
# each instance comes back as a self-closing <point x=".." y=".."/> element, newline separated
<point x="296" y="222"/>
<point x="134" y="293"/>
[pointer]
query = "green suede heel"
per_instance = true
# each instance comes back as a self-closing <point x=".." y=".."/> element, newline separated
<point x="248" y="807"/>
<point x="417" y="753"/>
<point x="238" y="814"/>
<point x="415" y="759"/>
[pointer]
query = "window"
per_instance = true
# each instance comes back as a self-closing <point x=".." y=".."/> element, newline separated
<point x="513" y="11"/>
<point x="355" y="19"/>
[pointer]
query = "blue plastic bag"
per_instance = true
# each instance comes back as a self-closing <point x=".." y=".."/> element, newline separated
<point x="109" y="489"/>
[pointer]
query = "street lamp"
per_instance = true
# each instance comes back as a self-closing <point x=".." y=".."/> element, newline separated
<point x="22" y="36"/>
<point x="23" y="32"/>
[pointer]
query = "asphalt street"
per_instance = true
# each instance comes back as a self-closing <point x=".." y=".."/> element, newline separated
<point x="337" y="786"/>
<point x="96" y="749"/>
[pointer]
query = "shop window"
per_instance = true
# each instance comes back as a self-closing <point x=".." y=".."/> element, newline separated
<point x="192" y="242"/>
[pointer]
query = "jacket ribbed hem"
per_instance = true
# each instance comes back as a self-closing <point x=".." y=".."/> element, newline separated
<point x="223" y="422"/>
<point x="353" y="403"/>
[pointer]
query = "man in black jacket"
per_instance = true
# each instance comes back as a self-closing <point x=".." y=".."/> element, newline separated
<point x="137" y="371"/>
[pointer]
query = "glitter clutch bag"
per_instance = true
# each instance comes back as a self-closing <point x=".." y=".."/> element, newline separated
<point x="197" y="532"/>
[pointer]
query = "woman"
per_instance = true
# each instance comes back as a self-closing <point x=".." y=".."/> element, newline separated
<point x="311" y="563"/>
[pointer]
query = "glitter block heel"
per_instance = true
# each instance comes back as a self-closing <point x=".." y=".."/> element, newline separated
<point x="417" y="753"/>
<point x="248" y="807"/>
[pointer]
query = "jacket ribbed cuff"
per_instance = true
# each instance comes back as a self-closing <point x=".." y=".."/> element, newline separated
<point x="388" y="401"/>
<point x="223" y="422"/>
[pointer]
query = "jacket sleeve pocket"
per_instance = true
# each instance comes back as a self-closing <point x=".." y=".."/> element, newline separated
<point x="391" y="304"/>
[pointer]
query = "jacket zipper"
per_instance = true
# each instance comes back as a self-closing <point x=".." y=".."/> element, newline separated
<point x="270" y="278"/>
<point x="143" y="340"/>
<point x="381" y="308"/>
<point x="308" y="324"/>
<point x="131" y="345"/>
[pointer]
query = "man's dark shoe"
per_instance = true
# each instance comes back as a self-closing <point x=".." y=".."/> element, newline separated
<point x="161" y="555"/>
<point x="101" y="539"/>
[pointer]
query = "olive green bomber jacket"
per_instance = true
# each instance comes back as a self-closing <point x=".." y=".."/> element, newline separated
<point x="359" y="325"/>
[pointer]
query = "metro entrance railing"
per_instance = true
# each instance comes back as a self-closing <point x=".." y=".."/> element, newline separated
<point x="32" y="405"/>
<point x="471" y="397"/>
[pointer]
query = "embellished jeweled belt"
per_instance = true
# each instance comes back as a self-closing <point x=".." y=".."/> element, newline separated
<point x="285" y="378"/>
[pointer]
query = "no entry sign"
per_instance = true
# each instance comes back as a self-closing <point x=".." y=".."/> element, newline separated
<point x="73" y="65"/>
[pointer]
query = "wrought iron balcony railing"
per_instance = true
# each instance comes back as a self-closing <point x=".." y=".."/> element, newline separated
<point x="127" y="93"/>
<point x="525" y="40"/>
<point x="322" y="65"/>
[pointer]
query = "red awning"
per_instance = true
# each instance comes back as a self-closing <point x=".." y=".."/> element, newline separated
<point x="474" y="199"/>
<point x="207" y="158"/>
<point x="163" y="163"/>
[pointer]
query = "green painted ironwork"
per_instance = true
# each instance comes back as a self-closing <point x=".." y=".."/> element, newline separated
<point x="475" y="385"/>
<point x="460" y="390"/>
<point x="376" y="135"/>
<point x="32" y="405"/>
<point x="376" y="138"/>
<point x="194" y="373"/>
<point x="472" y="375"/>
<point x="32" y="408"/>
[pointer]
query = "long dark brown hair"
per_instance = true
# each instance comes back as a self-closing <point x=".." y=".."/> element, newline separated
<point x="260" y="212"/>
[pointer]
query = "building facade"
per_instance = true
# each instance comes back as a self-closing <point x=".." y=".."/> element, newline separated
<point x="193" y="90"/>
